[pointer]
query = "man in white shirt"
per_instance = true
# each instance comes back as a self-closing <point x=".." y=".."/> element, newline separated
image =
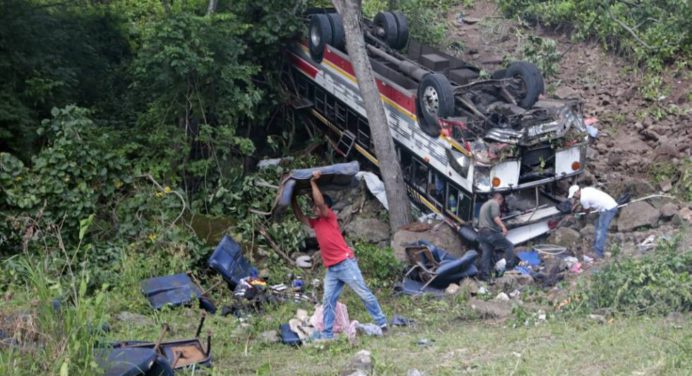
<point x="592" y="199"/>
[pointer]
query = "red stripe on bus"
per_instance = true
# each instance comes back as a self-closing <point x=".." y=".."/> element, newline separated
<point x="405" y="101"/>
<point x="304" y="66"/>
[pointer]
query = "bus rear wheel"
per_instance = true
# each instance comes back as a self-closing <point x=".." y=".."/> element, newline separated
<point x="402" y="30"/>
<point x="320" y="36"/>
<point x="435" y="100"/>
<point x="338" y="34"/>
<point x="530" y="82"/>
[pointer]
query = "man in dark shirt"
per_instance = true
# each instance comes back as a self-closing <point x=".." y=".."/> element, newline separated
<point x="492" y="232"/>
<point x="338" y="259"/>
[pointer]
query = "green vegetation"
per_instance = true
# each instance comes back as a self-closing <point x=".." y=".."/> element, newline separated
<point x="658" y="283"/>
<point x="651" y="33"/>
<point x="128" y="130"/>
<point x="427" y="19"/>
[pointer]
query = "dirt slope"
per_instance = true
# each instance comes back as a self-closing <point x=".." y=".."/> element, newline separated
<point x="636" y="135"/>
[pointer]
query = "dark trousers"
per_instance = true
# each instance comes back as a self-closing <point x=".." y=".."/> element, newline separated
<point x="490" y="240"/>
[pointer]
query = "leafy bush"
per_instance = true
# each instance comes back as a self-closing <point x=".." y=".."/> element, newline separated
<point x="543" y="53"/>
<point x="652" y="33"/>
<point x="379" y="266"/>
<point x="65" y="182"/>
<point x="426" y="18"/>
<point x="658" y="283"/>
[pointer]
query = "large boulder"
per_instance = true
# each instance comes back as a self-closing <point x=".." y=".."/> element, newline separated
<point x="669" y="210"/>
<point x="637" y="214"/>
<point x="565" y="237"/>
<point x="371" y="230"/>
<point x="637" y="187"/>
<point x="438" y="233"/>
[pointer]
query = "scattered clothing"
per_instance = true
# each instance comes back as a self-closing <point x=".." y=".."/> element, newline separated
<point x="398" y="320"/>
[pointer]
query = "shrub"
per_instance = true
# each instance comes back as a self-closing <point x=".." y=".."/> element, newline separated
<point x="658" y="283"/>
<point x="652" y="33"/>
<point x="379" y="266"/>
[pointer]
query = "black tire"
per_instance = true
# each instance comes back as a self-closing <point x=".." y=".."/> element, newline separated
<point x="320" y="35"/>
<point x="402" y="30"/>
<point x="387" y="22"/>
<point x="531" y="82"/>
<point x="435" y="100"/>
<point x="338" y="34"/>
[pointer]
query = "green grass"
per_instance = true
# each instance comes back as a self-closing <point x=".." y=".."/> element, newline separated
<point x="460" y="344"/>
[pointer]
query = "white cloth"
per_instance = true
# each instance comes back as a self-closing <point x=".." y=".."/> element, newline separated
<point x="375" y="186"/>
<point x="592" y="198"/>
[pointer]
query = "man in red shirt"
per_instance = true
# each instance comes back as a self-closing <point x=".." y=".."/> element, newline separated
<point x="338" y="258"/>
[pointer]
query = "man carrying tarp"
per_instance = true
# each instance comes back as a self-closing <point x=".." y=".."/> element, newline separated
<point x="338" y="258"/>
<point x="492" y="232"/>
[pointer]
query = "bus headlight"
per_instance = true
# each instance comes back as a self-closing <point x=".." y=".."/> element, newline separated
<point x="481" y="177"/>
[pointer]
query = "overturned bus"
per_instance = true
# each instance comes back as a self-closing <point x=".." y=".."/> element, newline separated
<point x="459" y="134"/>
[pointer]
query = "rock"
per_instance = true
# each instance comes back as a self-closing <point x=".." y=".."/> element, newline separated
<point x="665" y="185"/>
<point x="439" y="234"/>
<point x="511" y="280"/>
<point x="565" y="237"/>
<point x="414" y="372"/>
<point x="668" y="210"/>
<point x="270" y="336"/>
<point x="598" y="318"/>
<point x="588" y="231"/>
<point x="502" y="297"/>
<point x="566" y="92"/>
<point x="452" y="289"/>
<point x="361" y="364"/>
<point x="686" y="214"/>
<point x="637" y="214"/>
<point x="134" y="319"/>
<point x="636" y="187"/>
<point x="491" y="309"/>
<point x="676" y="220"/>
<point x="469" y="286"/>
<point x="371" y="230"/>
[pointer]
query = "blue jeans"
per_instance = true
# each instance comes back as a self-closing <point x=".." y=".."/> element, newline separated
<point x="604" y="219"/>
<point x="347" y="273"/>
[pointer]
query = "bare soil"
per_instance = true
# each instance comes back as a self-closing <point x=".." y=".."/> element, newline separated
<point x="636" y="135"/>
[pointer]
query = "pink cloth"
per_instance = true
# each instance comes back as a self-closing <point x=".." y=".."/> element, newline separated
<point x="341" y="321"/>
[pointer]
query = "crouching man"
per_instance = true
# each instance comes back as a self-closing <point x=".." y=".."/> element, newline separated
<point x="492" y="234"/>
<point x="338" y="259"/>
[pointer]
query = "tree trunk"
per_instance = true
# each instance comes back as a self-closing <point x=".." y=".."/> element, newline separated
<point x="399" y="205"/>
<point x="211" y="9"/>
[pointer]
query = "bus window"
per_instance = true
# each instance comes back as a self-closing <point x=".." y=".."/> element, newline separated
<point x="363" y="135"/>
<point x="464" y="206"/>
<point x="352" y="122"/>
<point x="452" y="202"/>
<point x="437" y="187"/>
<point x="406" y="163"/>
<point x="420" y="175"/>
